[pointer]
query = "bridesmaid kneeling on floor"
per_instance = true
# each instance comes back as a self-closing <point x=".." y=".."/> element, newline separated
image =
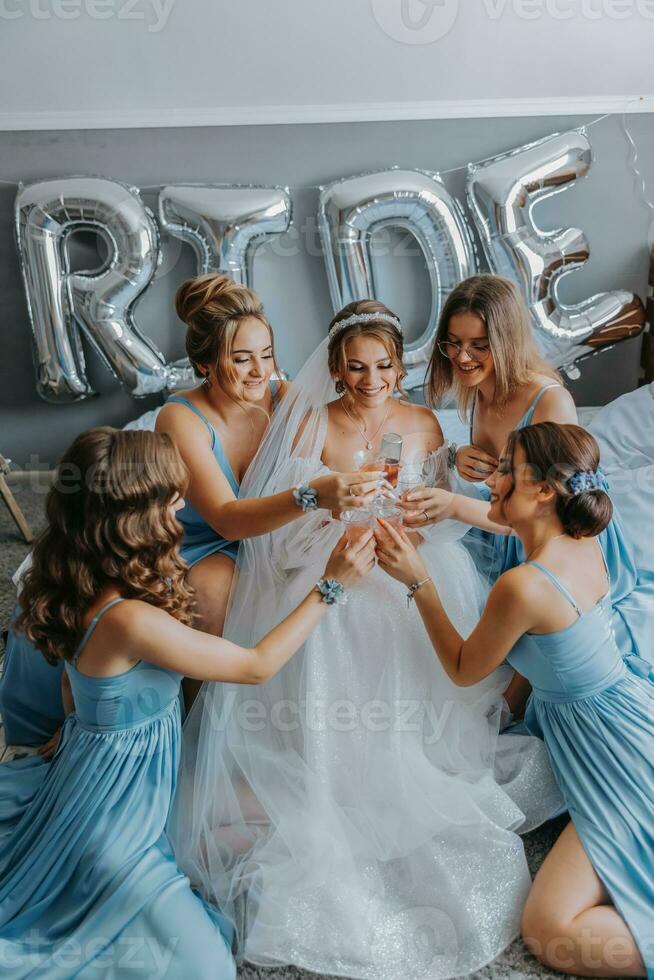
<point x="89" y="886"/>
<point x="591" y="908"/>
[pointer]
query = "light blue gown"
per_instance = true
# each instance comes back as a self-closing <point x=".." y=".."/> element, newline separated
<point x="200" y="539"/>
<point x="89" y="886"/>
<point x="594" y="709"/>
<point x="495" y="553"/>
<point x="30" y="691"/>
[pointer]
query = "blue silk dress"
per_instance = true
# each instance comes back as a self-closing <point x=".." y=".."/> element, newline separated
<point x="594" y="709"/>
<point x="496" y="553"/>
<point x="89" y="886"/>
<point x="30" y="691"/>
<point x="200" y="539"/>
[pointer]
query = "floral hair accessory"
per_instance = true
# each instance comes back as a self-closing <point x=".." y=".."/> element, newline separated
<point x="584" y="480"/>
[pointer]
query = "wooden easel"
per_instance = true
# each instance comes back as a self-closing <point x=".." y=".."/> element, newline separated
<point x="10" y="501"/>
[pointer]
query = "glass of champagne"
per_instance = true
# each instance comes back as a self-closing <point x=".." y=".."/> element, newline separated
<point x="391" y="453"/>
<point x="356" y="522"/>
<point x="392" y="515"/>
<point x="408" y="478"/>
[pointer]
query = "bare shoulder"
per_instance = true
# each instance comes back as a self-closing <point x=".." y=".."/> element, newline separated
<point x="420" y="414"/>
<point x="173" y="417"/>
<point x="420" y="419"/>
<point x="519" y="584"/>
<point x="556" y="405"/>
<point x="137" y="625"/>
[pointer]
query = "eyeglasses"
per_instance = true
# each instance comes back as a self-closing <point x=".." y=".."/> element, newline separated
<point x="477" y="351"/>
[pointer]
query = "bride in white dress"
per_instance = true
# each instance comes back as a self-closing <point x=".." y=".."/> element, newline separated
<point x="357" y="814"/>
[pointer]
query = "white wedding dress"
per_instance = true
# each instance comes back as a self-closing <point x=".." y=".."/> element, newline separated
<point x="356" y="814"/>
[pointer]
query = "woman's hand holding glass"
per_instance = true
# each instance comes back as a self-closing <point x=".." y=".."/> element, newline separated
<point x="342" y="491"/>
<point x="350" y="562"/>
<point x="474" y="464"/>
<point x="397" y="556"/>
<point x="426" y="505"/>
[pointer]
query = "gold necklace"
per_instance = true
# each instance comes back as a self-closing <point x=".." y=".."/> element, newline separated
<point x="543" y="543"/>
<point x="364" y="435"/>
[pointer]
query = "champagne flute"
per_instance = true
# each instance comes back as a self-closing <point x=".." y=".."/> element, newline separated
<point x="391" y="453"/>
<point x="356" y="522"/>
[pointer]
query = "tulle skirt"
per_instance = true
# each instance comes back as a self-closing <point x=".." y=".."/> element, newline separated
<point x="348" y="813"/>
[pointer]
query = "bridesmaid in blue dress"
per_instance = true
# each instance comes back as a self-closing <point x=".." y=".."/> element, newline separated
<point x="486" y="352"/>
<point x="89" y="885"/>
<point x="591" y="908"/>
<point x="31" y="705"/>
<point x="217" y="429"/>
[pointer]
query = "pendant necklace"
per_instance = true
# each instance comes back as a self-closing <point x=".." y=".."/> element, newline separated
<point x="364" y="436"/>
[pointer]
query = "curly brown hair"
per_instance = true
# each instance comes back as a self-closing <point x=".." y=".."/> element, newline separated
<point x="109" y="523"/>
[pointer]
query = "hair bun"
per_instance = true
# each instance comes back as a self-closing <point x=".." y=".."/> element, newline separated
<point x="197" y="293"/>
<point x="585" y="514"/>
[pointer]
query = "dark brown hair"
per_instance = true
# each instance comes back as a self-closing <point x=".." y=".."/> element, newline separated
<point x="500" y="306"/>
<point x="554" y="452"/>
<point x="382" y="330"/>
<point x="109" y="523"/>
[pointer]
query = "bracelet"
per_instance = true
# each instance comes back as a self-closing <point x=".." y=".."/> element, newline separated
<point x="413" y="588"/>
<point x="452" y="450"/>
<point x="331" y="591"/>
<point x="305" y="497"/>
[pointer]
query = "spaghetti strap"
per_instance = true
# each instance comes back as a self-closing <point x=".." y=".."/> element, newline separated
<point x="529" y="414"/>
<point x="559" y="585"/>
<point x="194" y="408"/>
<point x="94" y="622"/>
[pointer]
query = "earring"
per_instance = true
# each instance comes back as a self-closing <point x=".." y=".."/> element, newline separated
<point x="340" y="386"/>
<point x="207" y="380"/>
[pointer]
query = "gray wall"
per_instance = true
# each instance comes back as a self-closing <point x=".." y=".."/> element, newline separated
<point x="206" y="58"/>
<point x="607" y="205"/>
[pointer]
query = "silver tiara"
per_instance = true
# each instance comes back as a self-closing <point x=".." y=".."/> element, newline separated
<point x="364" y="318"/>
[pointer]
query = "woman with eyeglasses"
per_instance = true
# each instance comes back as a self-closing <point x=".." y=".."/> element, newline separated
<point x="485" y="351"/>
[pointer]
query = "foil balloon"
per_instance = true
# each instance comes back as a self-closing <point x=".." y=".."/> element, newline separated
<point x="353" y="209"/>
<point x="224" y="224"/>
<point x="101" y="302"/>
<point x="502" y="193"/>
